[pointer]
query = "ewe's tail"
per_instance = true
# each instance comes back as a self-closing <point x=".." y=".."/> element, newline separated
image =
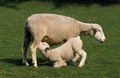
<point x="27" y="36"/>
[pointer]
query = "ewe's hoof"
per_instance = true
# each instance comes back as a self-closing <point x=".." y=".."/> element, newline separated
<point x="25" y="63"/>
<point x="36" y="66"/>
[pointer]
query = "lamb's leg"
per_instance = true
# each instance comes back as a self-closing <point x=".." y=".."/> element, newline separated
<point x="75" y="58"/>
<point x="84" y="55"/>
<point x="60" y="62"/>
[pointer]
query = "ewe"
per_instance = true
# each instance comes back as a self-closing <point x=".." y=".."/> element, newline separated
<point x="53" y="29"/>
<point x="60" y="55"/>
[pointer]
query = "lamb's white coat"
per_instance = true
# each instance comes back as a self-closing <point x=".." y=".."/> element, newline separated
<point x="65" y="52"/>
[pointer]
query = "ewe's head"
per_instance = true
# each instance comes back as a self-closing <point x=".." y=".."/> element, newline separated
<point x="43" y="46"/>
<point x="97" y="33"/>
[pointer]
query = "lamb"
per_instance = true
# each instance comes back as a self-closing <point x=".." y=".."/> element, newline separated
<point x="60" y="55"/>
<point x="53" y="29"/>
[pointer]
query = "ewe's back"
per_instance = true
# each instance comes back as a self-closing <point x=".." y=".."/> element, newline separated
<point x="52" y="20"/>
<point x="56" y="27"/>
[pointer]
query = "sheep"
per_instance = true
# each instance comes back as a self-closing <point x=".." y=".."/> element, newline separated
<point x="60" y="55"/>
<point x="53" y="29"/>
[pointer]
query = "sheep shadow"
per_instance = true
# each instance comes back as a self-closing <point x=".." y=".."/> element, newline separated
<point x="18" y="62"/>
<point x="11" y="61"/>
<point x="41" y="62"/>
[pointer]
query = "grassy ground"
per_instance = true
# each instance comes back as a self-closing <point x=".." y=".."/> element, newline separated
<point x="103" y="60"/>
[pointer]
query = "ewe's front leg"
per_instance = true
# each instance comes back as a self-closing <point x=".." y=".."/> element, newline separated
<point x="84" y="55"/>
<point x="34" y="58"/>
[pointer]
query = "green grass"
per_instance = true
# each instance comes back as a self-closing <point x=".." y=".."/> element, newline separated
<point x="103" y="60"/>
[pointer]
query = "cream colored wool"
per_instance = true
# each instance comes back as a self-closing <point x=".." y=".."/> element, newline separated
<point x="66" y="52"/>
<point x="53" y="29"/>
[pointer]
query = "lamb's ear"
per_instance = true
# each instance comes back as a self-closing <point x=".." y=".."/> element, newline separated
<point x="48" y="48"/>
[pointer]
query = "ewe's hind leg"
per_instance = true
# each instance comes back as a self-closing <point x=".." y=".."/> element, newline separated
<point x="25" y="47"/>
<point x="24" y="52"/>
<point x="84" y="55"/>
<point x="33" y="50"/>
<point x="34" y="47"/>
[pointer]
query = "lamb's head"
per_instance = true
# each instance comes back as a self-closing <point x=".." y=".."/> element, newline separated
<point x="43" y="46"/>
<point x="97" y="32"/>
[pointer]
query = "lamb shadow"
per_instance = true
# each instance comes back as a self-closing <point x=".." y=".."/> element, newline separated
<point x="18" y="62"/>
<point x="43" y="62"/>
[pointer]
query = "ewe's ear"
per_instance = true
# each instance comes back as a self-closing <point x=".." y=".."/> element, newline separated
<point x="92" y="32"/>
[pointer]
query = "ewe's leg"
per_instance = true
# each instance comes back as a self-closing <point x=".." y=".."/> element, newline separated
<point x="75" y="58"/>
<point x="84" y="55"/>
<point x="25" y="47"/>
<point x="34" y="46"/>
<point x="34" y="58"/>
<point x="24" y="52"/>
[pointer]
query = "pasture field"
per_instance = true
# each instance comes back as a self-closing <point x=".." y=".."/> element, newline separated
<point x="103" y="60"/>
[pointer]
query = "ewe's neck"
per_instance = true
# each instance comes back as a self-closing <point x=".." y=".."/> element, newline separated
<point x="85" y="27"/>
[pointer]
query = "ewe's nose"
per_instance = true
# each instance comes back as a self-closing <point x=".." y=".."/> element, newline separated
<point x="102" y="41"/>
